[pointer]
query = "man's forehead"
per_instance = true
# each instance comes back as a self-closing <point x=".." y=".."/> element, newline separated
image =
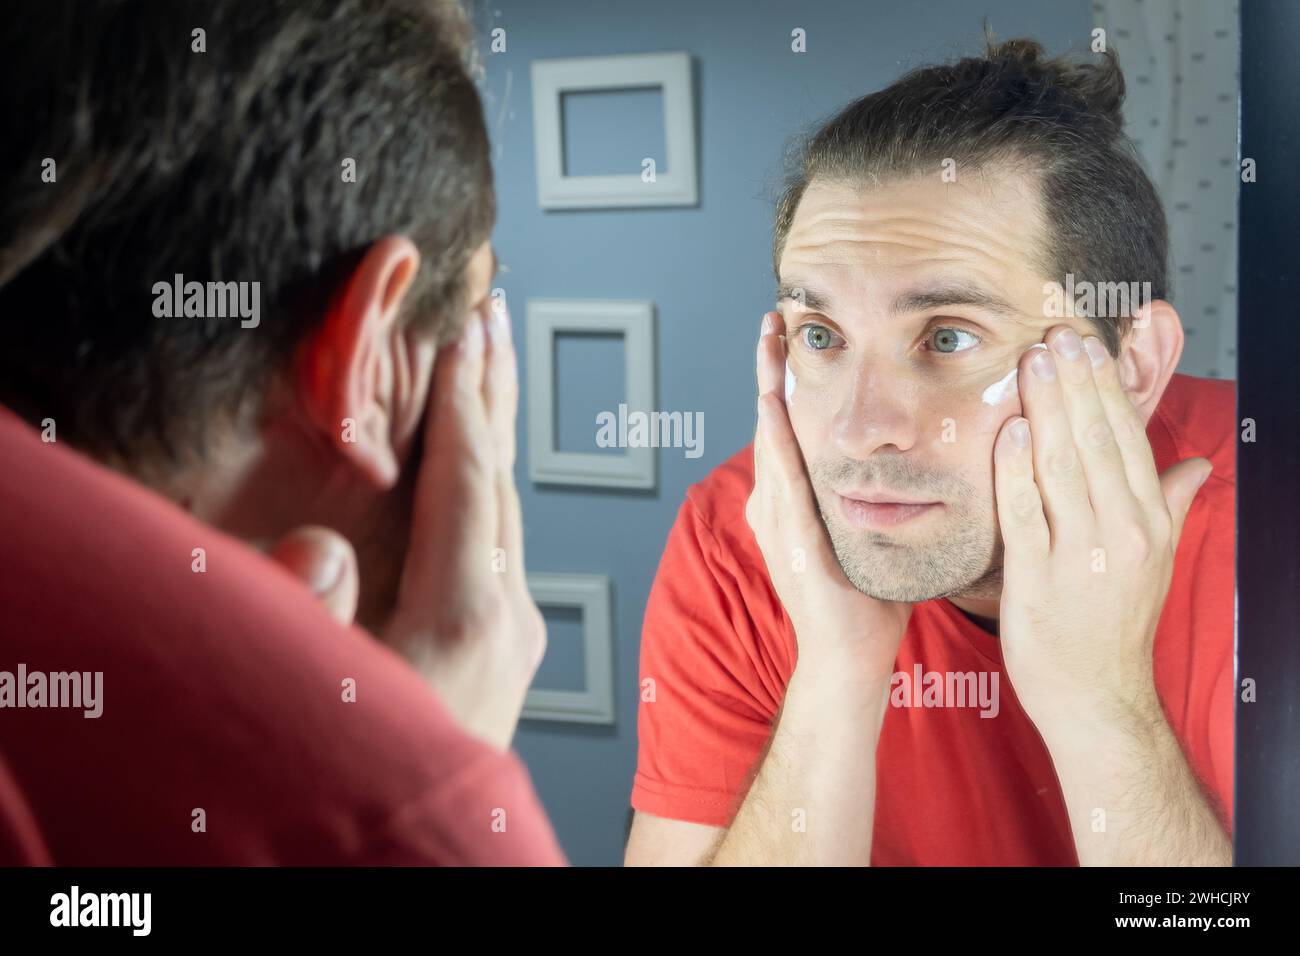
<point x="913" y="238"/>
<point x="922" y="214"/>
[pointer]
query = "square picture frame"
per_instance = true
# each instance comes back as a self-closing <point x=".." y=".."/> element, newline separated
<point x="546" y="318"/>
<point x="675" y="185"/>
<point x="594" y="704"/>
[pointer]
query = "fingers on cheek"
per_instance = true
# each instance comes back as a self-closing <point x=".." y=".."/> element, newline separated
<point x="470" y="355"/>
<point x="1097" y="357"/>
<point x="503" y="375"/>
<point x="1015" y="449"/>
<point x="1038" y="375"/>
<point x="1105" y="373"/>
<point x="775" y="444"/>
<point x="770" y="362"/>
<point x="1020" y="506"/>
<point x="766" y="423"/>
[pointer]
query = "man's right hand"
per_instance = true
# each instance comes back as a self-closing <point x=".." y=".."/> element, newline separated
<point x="830" y="616"/>
<point x="464" y="616"/>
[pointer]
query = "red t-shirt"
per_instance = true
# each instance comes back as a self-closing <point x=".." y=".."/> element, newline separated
<point x="952" y="787"/>
<point x="221" y="692"/>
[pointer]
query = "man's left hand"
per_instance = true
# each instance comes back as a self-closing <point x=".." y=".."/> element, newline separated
<point x="1090" y="530"/>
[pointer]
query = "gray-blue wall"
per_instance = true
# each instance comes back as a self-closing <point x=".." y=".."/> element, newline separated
<point x="706" y="268"/>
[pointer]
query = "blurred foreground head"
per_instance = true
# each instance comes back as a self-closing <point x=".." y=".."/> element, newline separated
<point x="322" y="162"/>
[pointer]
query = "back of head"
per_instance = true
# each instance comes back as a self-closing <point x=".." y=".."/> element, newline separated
<point x="267" y="141"/>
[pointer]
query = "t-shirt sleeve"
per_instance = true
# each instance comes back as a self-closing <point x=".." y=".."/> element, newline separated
<point x="1207" y="730"/>
<point x="708" y="687"/>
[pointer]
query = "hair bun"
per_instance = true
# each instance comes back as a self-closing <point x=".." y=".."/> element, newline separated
<point x="1096" y="87"/>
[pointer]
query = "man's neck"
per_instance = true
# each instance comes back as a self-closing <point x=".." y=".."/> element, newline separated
<point x="257" y="487"/>
<point x="982" y="611"/>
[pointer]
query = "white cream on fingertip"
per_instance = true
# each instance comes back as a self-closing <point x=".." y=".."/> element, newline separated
<point x="1006" y="386"/>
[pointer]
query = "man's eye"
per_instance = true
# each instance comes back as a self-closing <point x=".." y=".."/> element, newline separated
<point x="817" y="337"/>
<point x="952" y="340"/>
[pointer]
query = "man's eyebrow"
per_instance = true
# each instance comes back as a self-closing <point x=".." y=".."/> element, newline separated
<point x="939" y="297"/>
<point x="810" y="298"/>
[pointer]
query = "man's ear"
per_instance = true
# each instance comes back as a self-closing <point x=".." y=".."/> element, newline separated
<point x="1149" y="355"/>
<point x="361" y="382"/>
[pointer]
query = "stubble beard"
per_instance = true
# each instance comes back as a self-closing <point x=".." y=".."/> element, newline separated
<point x="961" y="556"/>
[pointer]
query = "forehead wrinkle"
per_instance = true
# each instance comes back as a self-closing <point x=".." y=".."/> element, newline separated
<point x="915" y="238"/>
<point x="977" y="270"/>
<point x="825" y="210"/>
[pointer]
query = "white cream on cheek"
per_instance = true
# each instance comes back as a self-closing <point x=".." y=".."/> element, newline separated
<point x="1006" y="386"/>
<point x="999" y="390"/>
<point x="789" y="381"/>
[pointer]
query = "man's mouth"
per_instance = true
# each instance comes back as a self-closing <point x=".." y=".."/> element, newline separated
<point x="875" y="510"/>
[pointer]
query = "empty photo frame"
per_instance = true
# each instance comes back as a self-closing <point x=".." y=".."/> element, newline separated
<point x="673" y="185"/>
<point x="632" y="467"/>
<point x="594" y="704"/>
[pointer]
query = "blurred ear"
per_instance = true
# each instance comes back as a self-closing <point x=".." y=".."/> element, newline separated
<point x="364" y="379"/>
<point x="1150" y="354"/>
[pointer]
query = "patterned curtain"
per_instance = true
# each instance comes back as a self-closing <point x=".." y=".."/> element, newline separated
<point x="1181" y="66"/>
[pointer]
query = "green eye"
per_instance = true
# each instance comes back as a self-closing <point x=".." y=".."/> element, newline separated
<point x="817" y="337"/>
<point x="951" y="340"/>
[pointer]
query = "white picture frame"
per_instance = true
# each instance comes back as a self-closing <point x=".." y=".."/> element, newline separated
<point x="634" y="468"/>
<point x="595" y="703"/>
<point x="673" y="186"/>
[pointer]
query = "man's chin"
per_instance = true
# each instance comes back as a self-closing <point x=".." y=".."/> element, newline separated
<point x="892" y="571"/>
<point x="904" y="592"/>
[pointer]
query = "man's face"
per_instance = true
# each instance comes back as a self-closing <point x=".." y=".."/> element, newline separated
<point x="906" y="305"/>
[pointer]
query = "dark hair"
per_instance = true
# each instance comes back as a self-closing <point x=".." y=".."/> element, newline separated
<point x="1058" y="119"/>
<point x="224" y="165"/>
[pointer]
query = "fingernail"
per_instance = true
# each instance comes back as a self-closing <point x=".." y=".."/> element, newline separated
<point x="1068" y="344"/>
<point x="1043" y="366"/>
<point x="768" y="324"/>
<point x="1020" y="433"/>
<point x="326" y="572"/>
<point x="1096" y="351"/>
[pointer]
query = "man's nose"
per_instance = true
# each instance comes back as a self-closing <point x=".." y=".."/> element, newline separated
<point x="878" y="410"/>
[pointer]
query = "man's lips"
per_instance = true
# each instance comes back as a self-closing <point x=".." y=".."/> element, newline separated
<point x="881" y="509"/>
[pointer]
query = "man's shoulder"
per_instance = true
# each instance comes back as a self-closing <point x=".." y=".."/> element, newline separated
<point x="213" y="660"/>
<point x="718" y="500"/>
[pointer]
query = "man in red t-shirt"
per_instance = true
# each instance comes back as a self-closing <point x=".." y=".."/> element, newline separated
<point x="968" y="598"/>
<point x="246" y="286"/>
